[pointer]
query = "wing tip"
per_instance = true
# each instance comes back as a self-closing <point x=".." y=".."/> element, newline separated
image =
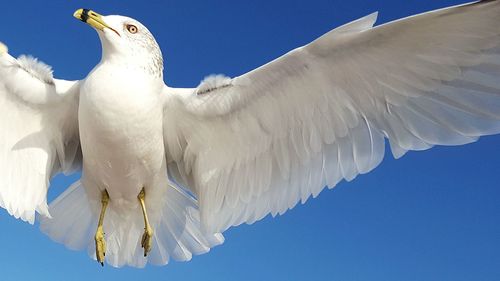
<point x="373" y="17"/>
<point x="361" y="24"/>
<point x="3" y="49"/>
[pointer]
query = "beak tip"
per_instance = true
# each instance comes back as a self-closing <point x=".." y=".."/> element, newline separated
<point x="93" y="19"/>
<point x="78" y="14"/>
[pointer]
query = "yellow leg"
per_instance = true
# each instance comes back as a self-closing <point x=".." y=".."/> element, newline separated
<point x="100" y="243"/>
<point x="147" y="237"/>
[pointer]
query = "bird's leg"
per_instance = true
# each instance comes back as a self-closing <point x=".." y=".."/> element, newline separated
<point x="100" y="243"/>
<point x="147" y="237"/>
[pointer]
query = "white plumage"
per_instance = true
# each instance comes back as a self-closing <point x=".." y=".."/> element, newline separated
<point x="319" y="114"/>
<point x="39" y="133"/>
<point x="237" y="149"/>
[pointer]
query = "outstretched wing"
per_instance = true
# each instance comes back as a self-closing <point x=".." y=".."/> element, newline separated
<point x="262" y="142"/>
<point x="38" y="133"/>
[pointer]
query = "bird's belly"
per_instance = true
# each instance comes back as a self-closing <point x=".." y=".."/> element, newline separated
<point x="122" y="147"/>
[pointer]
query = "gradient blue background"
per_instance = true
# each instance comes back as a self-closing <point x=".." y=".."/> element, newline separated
<point x="430" y="216"/>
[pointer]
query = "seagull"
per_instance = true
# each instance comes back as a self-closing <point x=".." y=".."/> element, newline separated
<point x="165" y="171"/>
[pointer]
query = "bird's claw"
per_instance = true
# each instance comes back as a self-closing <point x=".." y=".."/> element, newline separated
<point x="147" y="239"/>
<point x="100" y="245"/>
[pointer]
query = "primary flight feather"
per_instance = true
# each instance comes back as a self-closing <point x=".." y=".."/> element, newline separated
<point x="165" y="170"/>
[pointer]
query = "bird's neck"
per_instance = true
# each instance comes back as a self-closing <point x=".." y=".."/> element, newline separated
<point x="145" y="64"/>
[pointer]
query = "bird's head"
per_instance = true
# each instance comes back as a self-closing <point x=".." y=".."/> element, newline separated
<point x="125" y="39"/>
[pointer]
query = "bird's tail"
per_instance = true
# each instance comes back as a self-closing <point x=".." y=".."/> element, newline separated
<point x="177" y="229"/>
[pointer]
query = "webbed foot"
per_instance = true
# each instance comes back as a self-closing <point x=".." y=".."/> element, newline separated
<point x="147" y="239"/>
<point x="100" y="245"/>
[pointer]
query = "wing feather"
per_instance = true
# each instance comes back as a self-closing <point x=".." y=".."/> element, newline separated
<point x="38" y="133"/>
<point x="319" y="114"/>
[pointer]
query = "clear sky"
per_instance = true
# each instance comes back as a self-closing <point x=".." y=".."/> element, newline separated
<point x="432" y="215"/>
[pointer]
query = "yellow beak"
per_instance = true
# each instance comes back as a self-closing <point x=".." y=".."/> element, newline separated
<point x="93" y="19"/>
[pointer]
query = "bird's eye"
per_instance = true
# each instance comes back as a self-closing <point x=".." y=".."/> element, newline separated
<point x="132" y="28"/>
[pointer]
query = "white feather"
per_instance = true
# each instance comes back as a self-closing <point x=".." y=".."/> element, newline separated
<point x="3" y="49"/>
<point x="213" y="82"/>
<point x="38" y="133"/>
<point x="319" y="114"/>
<point x="246" y="147"/>
<point x="37" y="69"/>
<point x="75" y="215"/>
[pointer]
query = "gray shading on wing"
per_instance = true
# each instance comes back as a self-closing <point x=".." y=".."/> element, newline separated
<point x="260" y="143"/>
<point x="38" y="133"/>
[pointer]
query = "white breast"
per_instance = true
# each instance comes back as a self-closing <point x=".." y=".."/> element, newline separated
<point x="120" y="118"/>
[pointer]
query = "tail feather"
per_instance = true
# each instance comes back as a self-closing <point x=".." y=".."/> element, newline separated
<point x="72" y="219"/>
<point x="178" y="235"/>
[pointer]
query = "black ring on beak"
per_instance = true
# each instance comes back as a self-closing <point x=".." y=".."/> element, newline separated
<point x="85" y="15"/>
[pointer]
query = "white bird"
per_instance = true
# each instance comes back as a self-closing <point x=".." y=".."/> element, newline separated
<point x="166" y="170"/>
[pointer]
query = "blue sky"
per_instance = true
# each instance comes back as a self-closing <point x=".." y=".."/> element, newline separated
<point x="432" y="215"/>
